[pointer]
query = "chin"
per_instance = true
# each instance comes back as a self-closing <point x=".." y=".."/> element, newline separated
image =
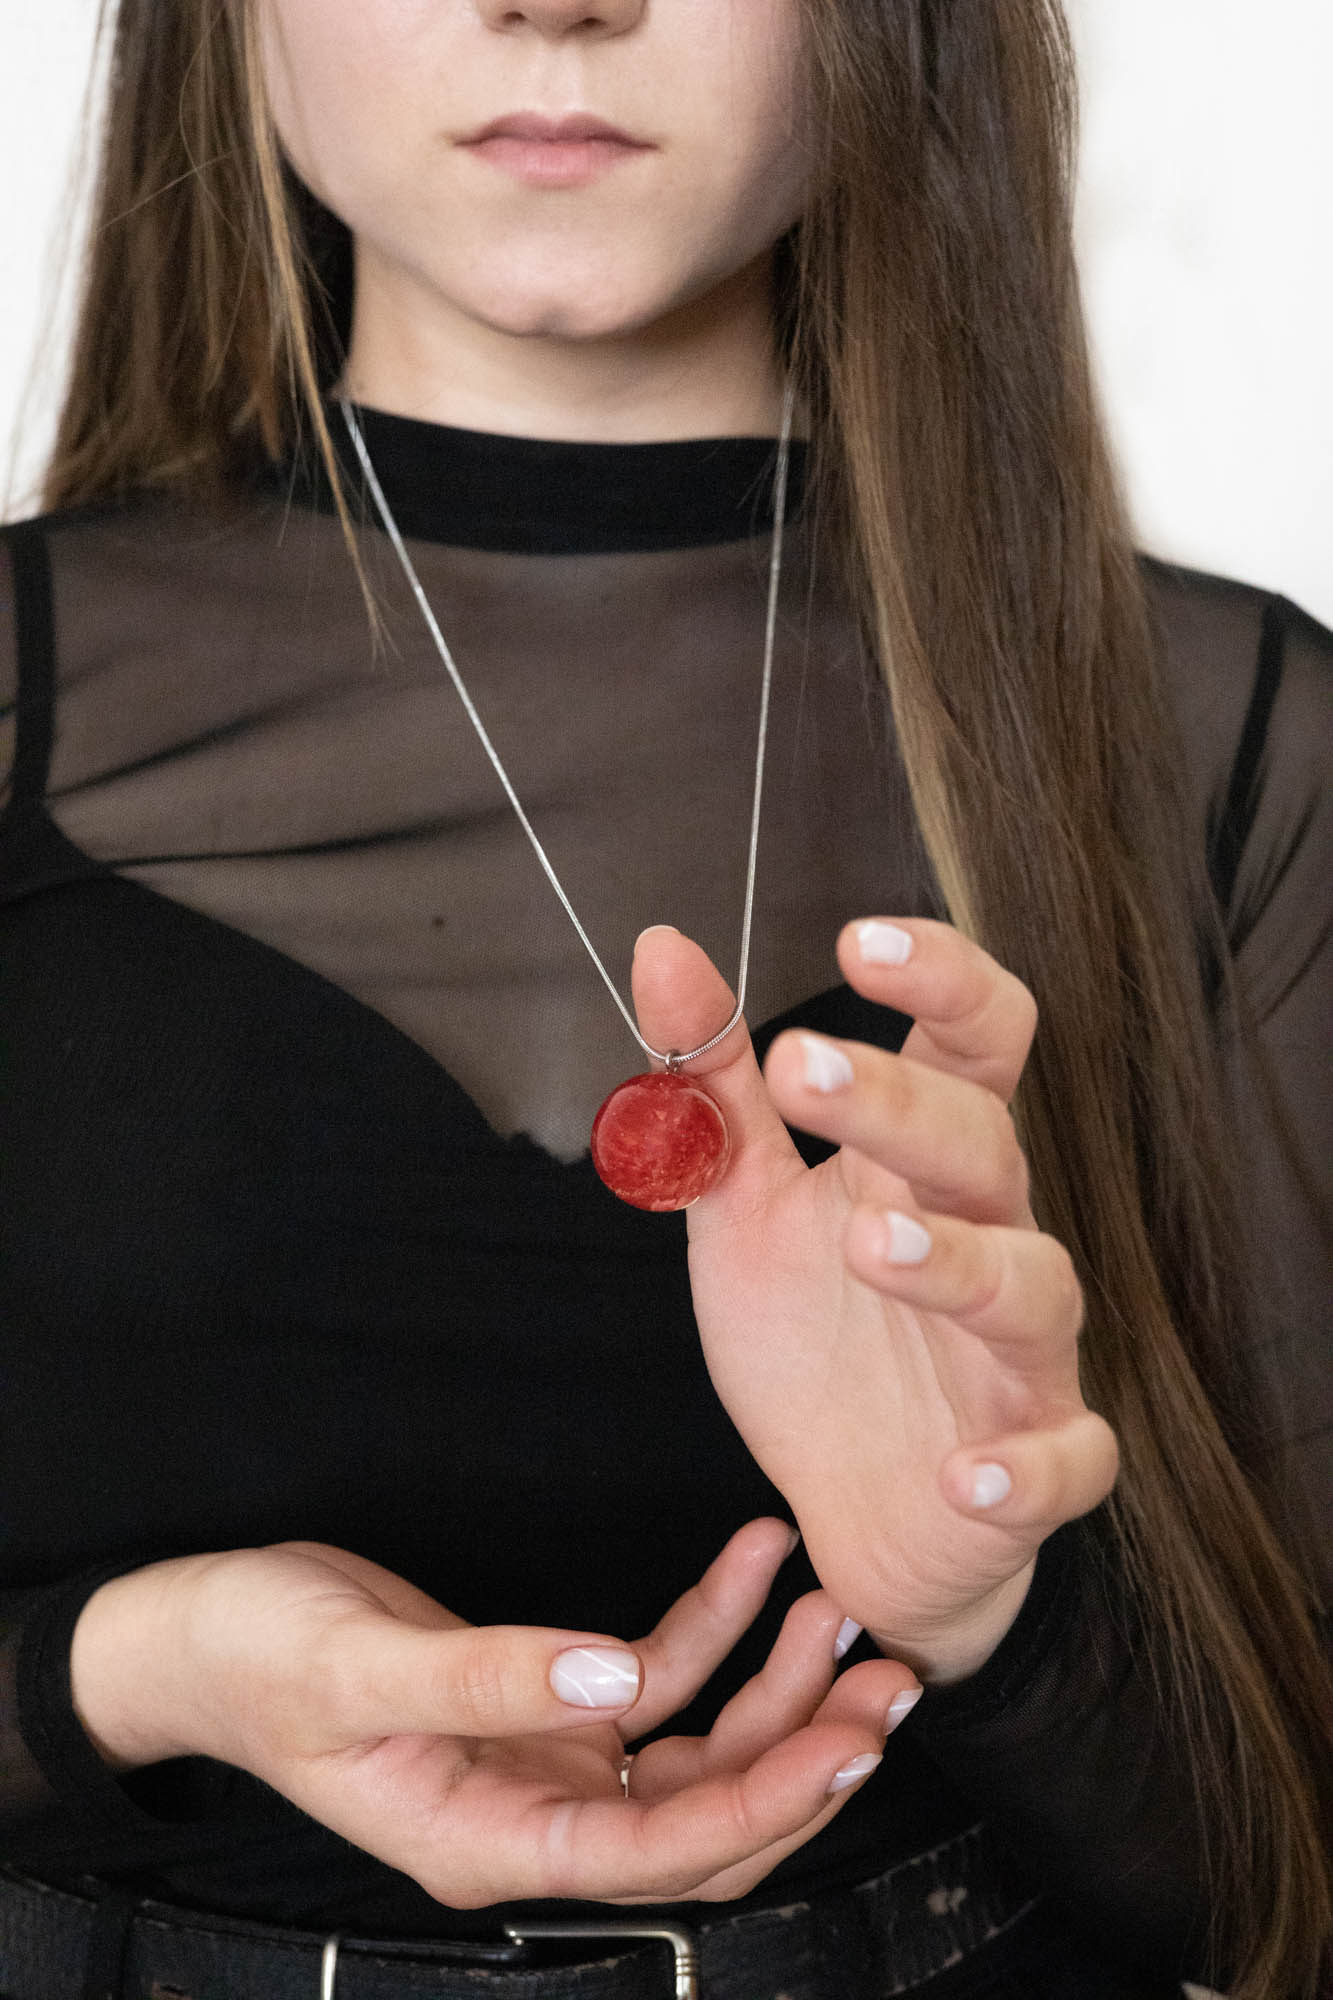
<point x="578" y="320"/>
<point x="574" y="306"/>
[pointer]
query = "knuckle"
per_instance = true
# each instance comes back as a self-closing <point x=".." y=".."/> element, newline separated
<point x="1040" y="1503"/>
<point x="332" y="1686"/>
<point x="899" y="1090"/>
<point x="1005" y="1163"/>
<point x="685" y="1885"/>
<point x="1065" y="1286"/>
<point x="730" y="1886"/>
<point x="1024" y="1008"/>
<point x="1106" y="1451"/>
<point x="747" y="1835"/>
<point x="475" y="1686"/>
<point x="1017" y="1177"/>
<point x="707" y="1602"/>
<point x="1038" y="1481"/>
<point x="662" y="1883"/>
<point x="986" y="1280"/>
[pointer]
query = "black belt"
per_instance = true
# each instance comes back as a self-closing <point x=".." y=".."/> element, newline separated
<point x="883" y="1937"/>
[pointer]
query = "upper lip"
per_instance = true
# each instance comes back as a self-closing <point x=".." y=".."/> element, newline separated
<point x="535" y="125"/>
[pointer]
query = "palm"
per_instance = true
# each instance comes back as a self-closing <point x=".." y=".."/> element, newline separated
<point x="453" y="1796"/>
<point x="919" y="1383"/>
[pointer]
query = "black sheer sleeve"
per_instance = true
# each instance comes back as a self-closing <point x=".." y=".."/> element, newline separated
<point x="1059" y="1736"/>
<point x="30" y="1794"/>
<point x="53" y="1784"/>
<point x="1058" y="1740"/>
<point x="1274" y="864"/>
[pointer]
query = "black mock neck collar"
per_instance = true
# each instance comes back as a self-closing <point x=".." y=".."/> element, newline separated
<point x="536" y="496"/>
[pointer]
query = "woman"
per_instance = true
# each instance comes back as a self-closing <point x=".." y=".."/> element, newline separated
<point x="354" y="1425"/>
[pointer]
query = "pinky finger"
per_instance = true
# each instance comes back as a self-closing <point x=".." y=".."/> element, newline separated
<point x="1035" y="1479"/>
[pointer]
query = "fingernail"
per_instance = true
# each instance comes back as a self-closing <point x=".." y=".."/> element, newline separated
<point x="651" y="928"/>
<point x="990" y="1483"/>
<point x="852" y="1774"/>
<point x="905" y="1241"/>
<point x="848" y="1634"/>
<point x="883" y="944"/>
<point x="595" y="1677"/>
<point x="793" y="1542"/>
<point x="826" y="1068"/>
<point x="901" y="1705"/>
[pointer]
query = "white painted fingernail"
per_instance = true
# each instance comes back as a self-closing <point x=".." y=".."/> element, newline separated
<point x="595" y="1677"/>
<point x="905" y="1241"/>
<point x="883" y="944"/>
<point x="852" y="1774"/>
<point x="826" y="1068"/>
<point x="848" y="1634"/>
<point x="990" y="1484"/>
<point x="901" y="1705"/>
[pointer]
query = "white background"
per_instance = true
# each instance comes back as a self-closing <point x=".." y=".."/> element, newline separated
<point x="1205" y="233"/>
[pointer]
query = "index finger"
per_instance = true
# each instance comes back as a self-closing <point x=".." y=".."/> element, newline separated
<point x="705" y="1623"/>
<point x="970" y="1016"/>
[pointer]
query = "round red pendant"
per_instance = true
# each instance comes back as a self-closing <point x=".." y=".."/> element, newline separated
<point x="660" y="1141"/>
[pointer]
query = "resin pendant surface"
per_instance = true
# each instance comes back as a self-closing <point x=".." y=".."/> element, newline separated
<point x="660" y="1141"/>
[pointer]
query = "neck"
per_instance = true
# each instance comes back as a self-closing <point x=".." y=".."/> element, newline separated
<point x="706" y="369"/>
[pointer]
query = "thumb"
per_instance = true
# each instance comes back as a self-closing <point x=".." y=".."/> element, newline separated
<point x="396" y="1679"/>
<point x="681" y="999"/>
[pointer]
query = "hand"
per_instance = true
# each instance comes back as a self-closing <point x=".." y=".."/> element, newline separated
<point x="872" y="1390"/>
<point x="443" y="1749"/>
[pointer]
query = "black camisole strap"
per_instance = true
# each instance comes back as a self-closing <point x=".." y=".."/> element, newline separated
<point x="1233" y="828"/>
<point x="35" y="641"/>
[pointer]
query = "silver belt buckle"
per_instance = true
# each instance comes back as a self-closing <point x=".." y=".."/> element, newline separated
<point x="681" y="1941"/>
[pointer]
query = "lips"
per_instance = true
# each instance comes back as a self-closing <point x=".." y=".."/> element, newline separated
<point x="533" y="126"/>
<point x="553" y="153"/>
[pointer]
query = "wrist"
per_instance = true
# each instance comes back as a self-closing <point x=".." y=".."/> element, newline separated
<point x="125" y="1667"/>
<point x="962" y="1645"/>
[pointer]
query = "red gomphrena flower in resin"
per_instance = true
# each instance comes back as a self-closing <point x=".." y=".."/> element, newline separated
<point x="660" y="1141"/>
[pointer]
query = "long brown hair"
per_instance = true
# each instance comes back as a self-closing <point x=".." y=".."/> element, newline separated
<point x="930" y="306"/>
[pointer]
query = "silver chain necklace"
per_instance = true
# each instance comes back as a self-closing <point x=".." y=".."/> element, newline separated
<point x="674" y="1059"/>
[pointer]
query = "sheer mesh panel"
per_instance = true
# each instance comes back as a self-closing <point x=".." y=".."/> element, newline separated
<point x="228" y="739"/>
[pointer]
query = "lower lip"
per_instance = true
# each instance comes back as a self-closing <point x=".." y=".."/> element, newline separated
<point x="554" y="162"/>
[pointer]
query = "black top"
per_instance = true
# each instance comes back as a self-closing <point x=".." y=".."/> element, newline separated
<point x="298" y="1235"/>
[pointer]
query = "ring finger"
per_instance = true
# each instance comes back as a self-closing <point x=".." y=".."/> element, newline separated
<point x="1015" y="1289"/>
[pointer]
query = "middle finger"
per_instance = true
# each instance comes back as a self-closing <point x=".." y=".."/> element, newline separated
<point x="703" y="1625"/>
<point x="781" y="1698"/>
<point x="952" y="1139"/>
